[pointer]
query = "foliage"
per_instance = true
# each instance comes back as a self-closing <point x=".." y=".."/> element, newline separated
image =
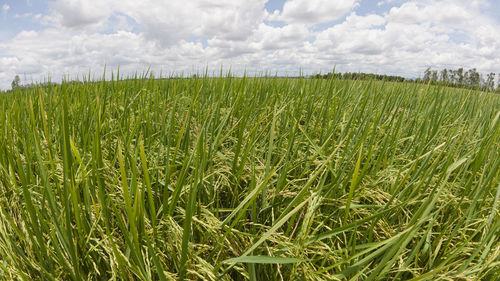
<point x="360" y="76"/>
<point x="249" y="178"/>
<point x="16" y="82"/>
<point x="459" y="78"/>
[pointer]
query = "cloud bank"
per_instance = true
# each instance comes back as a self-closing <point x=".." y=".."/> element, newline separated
<point x="175" y="36"/>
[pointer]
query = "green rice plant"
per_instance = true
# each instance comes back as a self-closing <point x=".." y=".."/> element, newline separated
<point x="265" y="178"/>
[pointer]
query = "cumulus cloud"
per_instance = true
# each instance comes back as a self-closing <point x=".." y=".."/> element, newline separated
<point x="416" y="35"/>
<point x="166" y="22"/>
<point x="79" y="13"/>
<point x="273" y="38"/>
<point x="457" y="14"/>
<point x="313" y="11"/>
<point x="50" y="51"/>
<point x="79" y="35"/>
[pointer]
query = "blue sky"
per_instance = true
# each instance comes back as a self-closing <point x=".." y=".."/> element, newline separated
<point x="73" y="37"/>
<point x="16" y="19"/>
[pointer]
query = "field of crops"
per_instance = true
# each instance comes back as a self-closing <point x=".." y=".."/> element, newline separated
<point x="249" y="179"/>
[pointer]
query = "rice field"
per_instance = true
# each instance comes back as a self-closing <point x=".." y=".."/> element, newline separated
<point x="249" y="179"/>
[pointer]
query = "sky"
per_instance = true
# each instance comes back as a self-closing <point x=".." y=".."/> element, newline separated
<point x="42" y="40"/>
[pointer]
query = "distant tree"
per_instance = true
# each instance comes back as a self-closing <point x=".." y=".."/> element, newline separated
<point x="434" y="75"/>
<point x="475" y="78"/>
<point x="16" y="82"/>
<point x="427" y="74"/>
<point x="451" y="76"/>
<point x="468" y="77"/>
<point x="490" y="82"/>
<point x="482" y="82"/>
<point x="460" y="75"/>
<point x="444" y="75"/>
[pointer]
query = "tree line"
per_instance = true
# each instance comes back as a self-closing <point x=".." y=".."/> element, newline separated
<point x="16" y="84"/>
<point x="461" y="78"/>
<point x="457" y="78"/>
<point x="360" y="76"/>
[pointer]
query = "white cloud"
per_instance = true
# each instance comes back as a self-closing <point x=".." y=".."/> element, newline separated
<point x="25" y="15"/>
<point x="457" y="15"/>
<point x="313" y="11"/>
<point x="79" y="13"/>
<point x="166" y="22"/>
<point x="413" y="36"/>
<point x="385" y="2"/>
<point x="58" y="53"/>
<point x="79" y="35"/>
<point x="5" y="8"/>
